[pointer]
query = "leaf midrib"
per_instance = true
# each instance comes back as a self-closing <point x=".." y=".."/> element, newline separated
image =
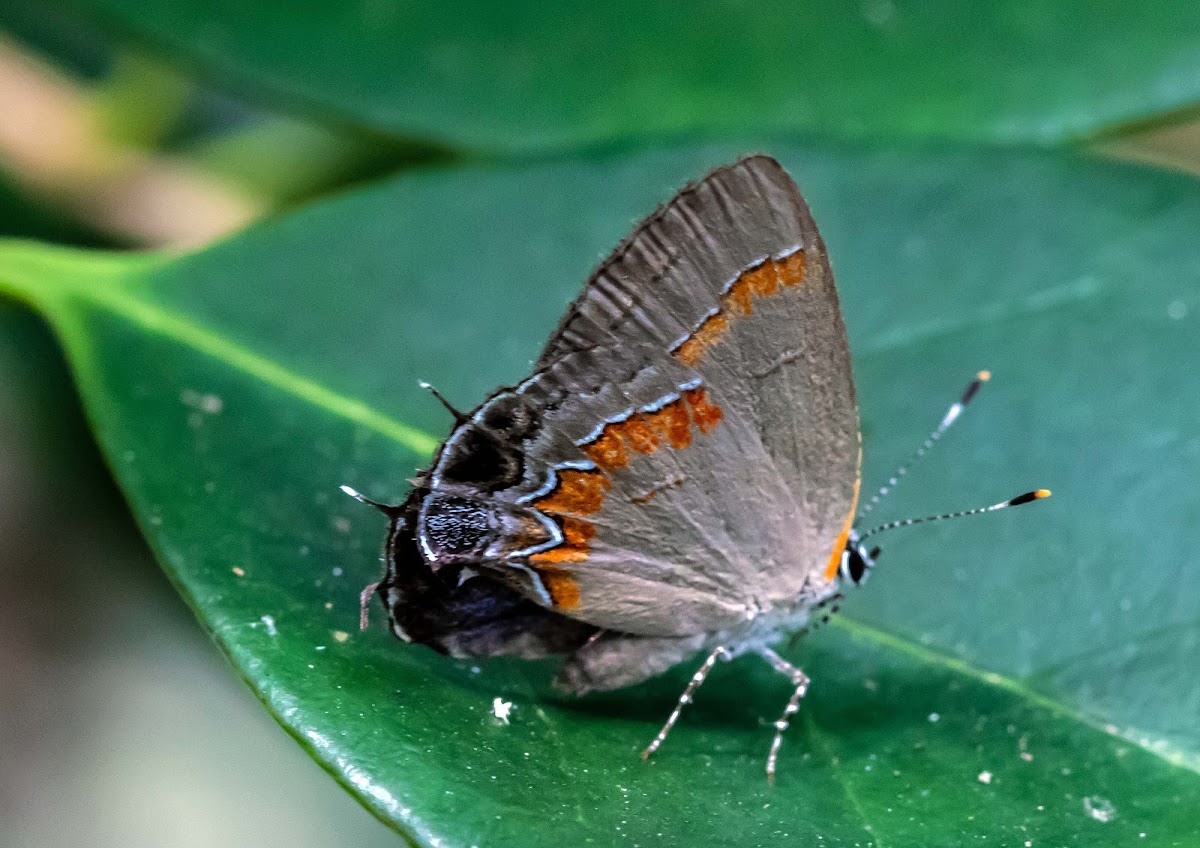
<point x="188" y="332"/>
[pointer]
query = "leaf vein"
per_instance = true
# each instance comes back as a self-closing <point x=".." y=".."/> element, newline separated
<point x="188" y="332"/>
<point x="1179" y="759"/>
<point x="818" y="741"/>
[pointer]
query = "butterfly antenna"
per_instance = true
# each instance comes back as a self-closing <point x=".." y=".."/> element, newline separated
<point x="459" y="416"/>
<point x="387" y="509"/>
<point x="368" y="592"/>
<point x="1028" y="497"/>
<point x="949" y="418"/>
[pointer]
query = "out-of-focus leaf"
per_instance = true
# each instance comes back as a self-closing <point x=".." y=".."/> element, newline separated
<point x="517" y="77"/>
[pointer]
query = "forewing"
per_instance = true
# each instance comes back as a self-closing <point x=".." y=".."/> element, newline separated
<point x="731" y="277"/>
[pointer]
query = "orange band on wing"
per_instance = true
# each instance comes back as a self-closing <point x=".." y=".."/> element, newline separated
<point x="577" y="492"/>
<point x="577" y="534"/>
<point x="581" y="493"/>
<point x="762" y="280"/>
<point x="835" y="557"/>
<point x="564" y="591"/>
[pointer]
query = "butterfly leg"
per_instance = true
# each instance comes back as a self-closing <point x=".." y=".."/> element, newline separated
<point x="800" y="681"/>
<point x="364" y="602"/>
<point x="686" y="698"/>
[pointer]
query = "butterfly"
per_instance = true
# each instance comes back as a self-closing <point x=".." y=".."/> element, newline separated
<point x="678" y="475"/>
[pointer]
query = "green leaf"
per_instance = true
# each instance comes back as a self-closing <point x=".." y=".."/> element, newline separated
<point x="1022" y="677"/>
<point x="42" y="428"/>
<point x="516" y="77"/>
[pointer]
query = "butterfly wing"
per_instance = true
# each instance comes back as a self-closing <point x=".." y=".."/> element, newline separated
<point x="732" y="277"/>
<point x="686" y="456"/>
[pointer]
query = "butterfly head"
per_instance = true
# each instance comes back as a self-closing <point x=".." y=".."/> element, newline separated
<point x="858" y="559"/>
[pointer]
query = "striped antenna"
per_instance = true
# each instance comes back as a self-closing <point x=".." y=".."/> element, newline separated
<point x="1028" y="497"/>
<point x="949" y="418"/>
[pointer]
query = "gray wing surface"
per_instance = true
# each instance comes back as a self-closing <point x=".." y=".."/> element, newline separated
<point x="727" y="298"/>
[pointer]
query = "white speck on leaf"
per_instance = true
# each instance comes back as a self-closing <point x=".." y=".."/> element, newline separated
<point x="340" y="635"/>
<point x="1101" y="809"/>
<point x="501" y="709"/>
<point x="985" y="777"/>
<point x="1177" y="310"/>
<point x="878" y="12"/>
<point x="212" y="404"/>
<point x="934" y="718"/>
<point x="269" y="623"/>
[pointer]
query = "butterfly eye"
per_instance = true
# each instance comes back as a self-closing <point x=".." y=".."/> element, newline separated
<point x="855" y="566"/>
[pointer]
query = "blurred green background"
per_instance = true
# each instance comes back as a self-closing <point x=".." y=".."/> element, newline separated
<point x="135" y="126"/>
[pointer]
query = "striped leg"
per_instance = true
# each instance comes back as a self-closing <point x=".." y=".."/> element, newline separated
<point x="686" y="698"/>
<point x="800" y="681"/>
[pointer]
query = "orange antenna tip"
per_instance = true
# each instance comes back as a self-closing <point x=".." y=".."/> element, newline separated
<point x="1028" y="497"/>
<point x="984" y="376"/>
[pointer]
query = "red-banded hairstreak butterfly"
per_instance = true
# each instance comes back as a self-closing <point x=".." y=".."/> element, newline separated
<point x="678" y="475"/>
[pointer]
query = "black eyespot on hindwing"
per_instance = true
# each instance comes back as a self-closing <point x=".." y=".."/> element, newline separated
<point x="509" y="417"/>
<point x="455" y="526"/>
<point x="479" y="458"/>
